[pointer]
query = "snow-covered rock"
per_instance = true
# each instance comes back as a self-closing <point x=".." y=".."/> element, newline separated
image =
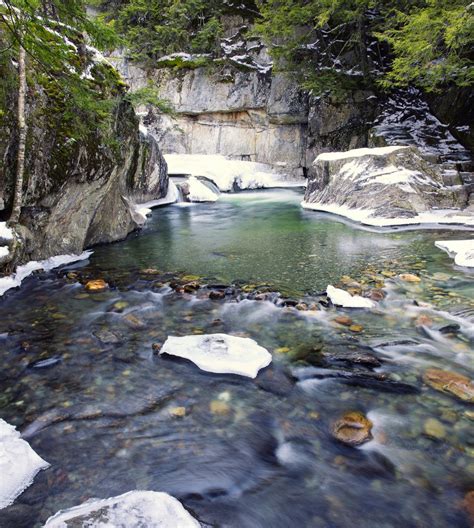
<point x="135" y="509"/>
<point x="18" y="464"/>
<point x="346" y="300"/>
<point x="461" y="250"/>
<point x="196" y="191"/>
<point x="172" y="196"/>
<point x="384" y="186"/>
<point x="228" y="174"/>
<point x="220" y="353"/>
<point x="5" y="232"/>
<point x="15" y="280"/>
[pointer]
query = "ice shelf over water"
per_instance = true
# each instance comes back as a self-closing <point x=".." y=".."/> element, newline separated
<point x="13" y="281"/>
<point x="346" y="300"/>
<point x="220" y="353"/>
<point x="228" y="174"/>
<point x="135" y="509"/>
<point x="18" y="464"/>
<point x="461" y="250"/>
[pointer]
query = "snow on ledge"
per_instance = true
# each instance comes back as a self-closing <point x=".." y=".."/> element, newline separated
<point x="172" y="196"/>
<point x="5" y="232"/>
<point x="346" y="300"/>
<point x="135" y="508"/>
<point x="199" y="191"/>
<point x="220" y="353"/>
<point x="366" y="216"/>
<point x="358" y="153"/>
<point x="461" y="250"/>
<point x="18" y="464"/>
<point x="227" y="173"/>
<point x="15" y="280"/>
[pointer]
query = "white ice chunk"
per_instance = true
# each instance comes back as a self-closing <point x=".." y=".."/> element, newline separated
<point x="135" y="509"/>
<point x="220" y="353"/>
<point x="346" y="300"/>
<point x="18" y="464"/>
<point x="461" y="250"/>
<point x="199" y="191"/>
<point x="358" y="153"/>
<point x="228" y="173"/>
<point x="13" y="281"/>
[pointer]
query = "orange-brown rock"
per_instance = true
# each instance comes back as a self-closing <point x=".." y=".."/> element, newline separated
<point x="353" y="429"/>
<point x="409" y="277"/>
<point x="423" y="320"/>
<point x="343" y="320"/>
<point x="450" y="383"/>
<point x="98" y="285"/>
<point x="376" y="294"/>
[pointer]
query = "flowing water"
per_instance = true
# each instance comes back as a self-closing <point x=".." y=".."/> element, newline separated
<point x="80" y="377"/>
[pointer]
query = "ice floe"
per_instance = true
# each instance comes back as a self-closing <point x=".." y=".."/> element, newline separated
<point x="13" y="281"/>
<point x="18" y="464"/>
<point x="346" y="300"/>
<point x="228" y="174"/>
<point x="461" y="250"/>
<point x="451" y="217"/>
<point x="135" y="509"/>
<point x="220" y="353"/>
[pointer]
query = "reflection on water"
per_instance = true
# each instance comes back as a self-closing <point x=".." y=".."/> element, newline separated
<point x="245" y="453"/>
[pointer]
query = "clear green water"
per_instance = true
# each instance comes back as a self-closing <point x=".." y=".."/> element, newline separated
<point x="102" y="414"/>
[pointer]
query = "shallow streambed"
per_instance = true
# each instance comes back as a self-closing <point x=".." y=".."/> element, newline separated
<point x="113" y="416"/>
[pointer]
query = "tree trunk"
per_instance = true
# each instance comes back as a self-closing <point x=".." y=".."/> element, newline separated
<point x="20" y="164"/>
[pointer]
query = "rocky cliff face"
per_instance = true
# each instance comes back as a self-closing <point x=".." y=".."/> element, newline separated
<point x="77" y="193"/>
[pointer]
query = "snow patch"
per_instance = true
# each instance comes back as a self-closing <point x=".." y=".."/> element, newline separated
<point x="200" y="192"/>
<point x="18" y="464"/>
<point x="228" y="174"/>
<point x="346" y="300"/>
<point x="5" y="232"/>
<point x="220" y="353"/>
<point x="4" y="251"/>
<point x="461" y="250"/>
<point x="134" y="509"/>
<point x="172" y="196"/>
<point x="13" y="281"/>
<point x="358" y="153"/>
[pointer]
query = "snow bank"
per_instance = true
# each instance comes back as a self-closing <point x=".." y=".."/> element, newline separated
<point x="134" y="509"/>
<point x="199" y="191"/>
<point x="5" y="232"/>
<point x="366" y="216"/>
<point x="226" y="173"/>
<point x="13" y="281"/>
<point x="18" y="464"/>
<point x="461" y="250"/>
<point x="220" y="353"/>
<point x="358" y="153"/>
<point x="346" y="300"/>
<point x="4" y="251"/>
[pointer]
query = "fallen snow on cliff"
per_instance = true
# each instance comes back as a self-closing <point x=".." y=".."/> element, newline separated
<point x="13" y="281"/>
<point x="220" y="353"/>
<point x="358" y="153"/>
<point x="134" y="509"/>
<point x="451" y="217"/>
<point x="461" y="250"/>
<point x="5" y="232"/>
<point x="227" y="174"/>
<point x="346" y="300"/>
<point x="18" y="464"/>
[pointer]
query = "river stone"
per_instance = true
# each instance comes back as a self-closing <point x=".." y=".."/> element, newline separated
<point x="98" y="285"/>
<point x="18" y="464"/>
<point x="220" y="353"/>
<point x="409" y="277"/>
<point x="434" y="428"/>
<point x="468" y="504"/>
<point x="353" y="429"/>
<point x="450" y="383"/>
<point x="134" y="509"/>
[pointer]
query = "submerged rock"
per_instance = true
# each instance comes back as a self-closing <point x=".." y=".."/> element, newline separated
<point x="409" y="277"/>
<point x="346" y="300"/>
<point x="220" y="353"/>
<point x="353" y="429"/>
<point x="18" y="464"/>
<point x="450" y="383"/>
<point x="434" y="428"/>
<point x="134" y="509"/>
<point x="98" y="285"/>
